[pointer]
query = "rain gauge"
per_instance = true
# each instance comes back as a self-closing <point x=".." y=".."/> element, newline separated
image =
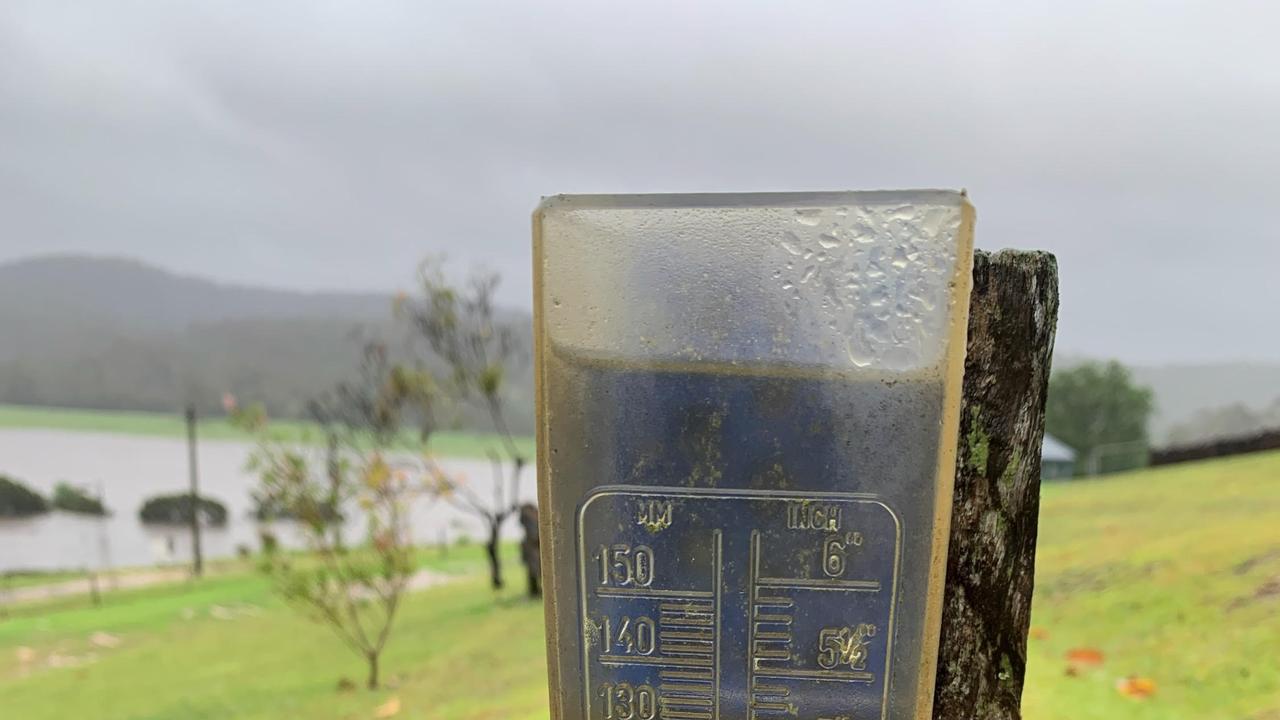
<point x="747" y="419"/>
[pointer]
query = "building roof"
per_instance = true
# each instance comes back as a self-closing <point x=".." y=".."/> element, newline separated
<point x="1054" y="451"/>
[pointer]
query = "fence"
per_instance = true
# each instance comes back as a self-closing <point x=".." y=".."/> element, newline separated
<point x="1223" y="447"/>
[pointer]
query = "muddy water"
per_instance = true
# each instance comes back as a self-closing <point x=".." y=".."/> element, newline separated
<point x="130" y="469"/>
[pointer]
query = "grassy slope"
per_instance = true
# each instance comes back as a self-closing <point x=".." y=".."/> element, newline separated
<point x="1161" y="571"/>
<point x="1165" y="572"/>
<point x="444" y="444"/>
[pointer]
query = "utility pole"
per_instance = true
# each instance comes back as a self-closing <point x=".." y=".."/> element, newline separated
<point x="104" y="540"/>
<point x="197" y="561"/>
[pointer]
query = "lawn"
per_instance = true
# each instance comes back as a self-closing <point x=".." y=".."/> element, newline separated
<point x="444" y="444"/>
<point x="226" y="648"/>
<point x="1172" y="575"/>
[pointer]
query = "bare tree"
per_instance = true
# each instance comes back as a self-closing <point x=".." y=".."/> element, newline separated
<point x="458" y="328"/>
<point x="354" y="588"/>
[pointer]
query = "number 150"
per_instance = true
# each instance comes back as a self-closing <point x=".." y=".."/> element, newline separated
<point x="623" y="565"/>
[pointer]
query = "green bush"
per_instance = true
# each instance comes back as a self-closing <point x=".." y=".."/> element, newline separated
<point x="18" y="500"/>
<point x="176" y="510"/>
<point x="266" y="508"/>
<point x="70" y="498"/>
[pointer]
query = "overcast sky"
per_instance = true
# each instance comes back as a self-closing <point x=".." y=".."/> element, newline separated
<point x="325" y="145"/>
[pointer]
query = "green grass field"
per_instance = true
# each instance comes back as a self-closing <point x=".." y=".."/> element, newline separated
<point x="444" y="444"/>
<point x="226" y="648"/>
<point x="1174" y="575"/>
<point x="1171" y="574"/>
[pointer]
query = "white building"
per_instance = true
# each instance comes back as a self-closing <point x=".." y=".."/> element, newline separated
<point x="1057" y="461"/>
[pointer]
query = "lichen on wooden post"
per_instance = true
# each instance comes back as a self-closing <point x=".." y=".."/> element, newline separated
<point x="986" y="611"/>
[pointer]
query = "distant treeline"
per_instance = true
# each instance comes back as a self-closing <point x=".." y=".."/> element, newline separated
<point x="278" y="363"/>
<point x="1257" y="442"/>
<point x="1233" y="420"/>
<point x="107" y="334"/>
<point x="275" y="362"/>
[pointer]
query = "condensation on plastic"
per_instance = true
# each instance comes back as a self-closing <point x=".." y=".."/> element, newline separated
<point x="711" y="367"/>
<point x="833" y="280"/>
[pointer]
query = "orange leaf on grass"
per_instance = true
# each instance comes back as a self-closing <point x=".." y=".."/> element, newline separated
<point x="1038" y="633"/>
<point x="1085" y="657"/>
<point x="1136" y="687"/>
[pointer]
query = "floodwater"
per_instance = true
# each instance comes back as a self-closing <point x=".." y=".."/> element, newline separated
<point x="130" y="469"/>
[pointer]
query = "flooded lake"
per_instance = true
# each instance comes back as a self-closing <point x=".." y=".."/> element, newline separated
<point x="130" y="469"/>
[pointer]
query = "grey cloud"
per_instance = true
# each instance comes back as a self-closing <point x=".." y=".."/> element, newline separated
<point x="332" y="145"/>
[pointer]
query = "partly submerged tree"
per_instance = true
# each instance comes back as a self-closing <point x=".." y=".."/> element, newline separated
<point x="459" y="327"/>
<point x="354" y="588"/>
<point x="177" y="510"/>
<point x="1095" y="407"/>
<point x="69" y="498"/>
<point x="19" y="501"/>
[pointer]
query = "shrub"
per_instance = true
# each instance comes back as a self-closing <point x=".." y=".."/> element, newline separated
<point x="267" y="508"/>
<point x="70" y="498"/>
<point x="18" y="500"/>
<point x="176" y="509"/>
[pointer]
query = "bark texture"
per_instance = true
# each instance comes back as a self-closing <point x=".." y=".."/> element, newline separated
<point x="991" y="563"/>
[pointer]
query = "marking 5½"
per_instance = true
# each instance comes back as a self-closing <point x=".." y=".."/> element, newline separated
<point x="623" y="565"/>
<point x="844" y="646"/>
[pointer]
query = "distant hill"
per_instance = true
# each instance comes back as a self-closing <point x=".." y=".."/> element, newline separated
<point x="1190" y="397"/>
<point x="1185" y="392"/>
<point x="117" y="334"/>
<point x="146" y="298"/>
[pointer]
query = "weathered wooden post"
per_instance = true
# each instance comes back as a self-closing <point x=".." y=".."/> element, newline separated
<point x="749" y="408"/>
<point x="982" y="658"/>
